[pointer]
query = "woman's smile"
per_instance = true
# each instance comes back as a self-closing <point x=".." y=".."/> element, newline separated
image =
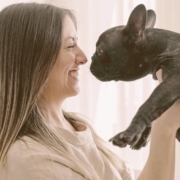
<point x="74" y="74"/>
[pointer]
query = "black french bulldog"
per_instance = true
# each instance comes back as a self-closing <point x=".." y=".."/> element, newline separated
<point x="131" y="52"/>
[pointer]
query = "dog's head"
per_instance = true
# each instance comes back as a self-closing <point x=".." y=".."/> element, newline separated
<point x="119" y="53"/>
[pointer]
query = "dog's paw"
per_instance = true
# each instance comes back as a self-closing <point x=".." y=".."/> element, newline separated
<point x="125" y="138"/>
<point x="143" y="141"/>
<point x="136" y="139"/>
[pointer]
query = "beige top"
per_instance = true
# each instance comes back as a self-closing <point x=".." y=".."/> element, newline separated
<point x="30" y="160"/>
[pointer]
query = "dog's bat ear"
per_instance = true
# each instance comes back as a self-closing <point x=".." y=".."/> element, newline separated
<point x="151" y="19"/>
<point x="136" y="24"/>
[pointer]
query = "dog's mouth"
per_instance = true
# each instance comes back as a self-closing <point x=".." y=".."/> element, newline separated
<point x="95" y="68"/>
<point x="103" y="73"/>
<point x="109" y="72"/>
<point x="98" y="71"/>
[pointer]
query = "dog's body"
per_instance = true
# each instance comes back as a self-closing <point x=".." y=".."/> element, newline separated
<point x="131" y="52"/>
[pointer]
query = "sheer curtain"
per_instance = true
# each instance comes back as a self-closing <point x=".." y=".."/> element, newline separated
<point x="110" y="106"/>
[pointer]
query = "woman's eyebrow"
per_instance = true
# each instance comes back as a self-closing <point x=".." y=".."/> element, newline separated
<point x="71" y="37"/>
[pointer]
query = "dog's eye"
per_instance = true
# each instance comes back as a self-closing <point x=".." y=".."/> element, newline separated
<point x="99" y="52"/>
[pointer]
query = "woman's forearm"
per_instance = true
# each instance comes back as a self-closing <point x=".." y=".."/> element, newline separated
<point x="160" y="164"/>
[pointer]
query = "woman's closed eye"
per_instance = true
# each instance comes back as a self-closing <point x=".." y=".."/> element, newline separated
<point x="71" y="47"/>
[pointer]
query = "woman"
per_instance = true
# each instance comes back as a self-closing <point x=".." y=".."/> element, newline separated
<point x="40" y="59"/>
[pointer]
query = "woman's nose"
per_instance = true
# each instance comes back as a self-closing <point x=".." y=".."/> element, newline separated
<point x="81" y="57"/>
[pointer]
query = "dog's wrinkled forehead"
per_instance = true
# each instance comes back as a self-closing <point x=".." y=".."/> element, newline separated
<point x="109" y="38"/>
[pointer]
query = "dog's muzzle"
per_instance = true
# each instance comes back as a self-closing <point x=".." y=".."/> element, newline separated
<point x="96" y="68"/>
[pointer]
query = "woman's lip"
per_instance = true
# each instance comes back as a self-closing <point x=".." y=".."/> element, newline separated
<point x="73" y="73"/>
<point x="72" y="70"/>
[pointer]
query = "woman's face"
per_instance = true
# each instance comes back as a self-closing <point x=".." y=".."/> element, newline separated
<point x="64" y="79"/>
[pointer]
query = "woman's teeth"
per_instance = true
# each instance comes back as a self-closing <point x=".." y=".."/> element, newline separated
<point x="73" y="73"/>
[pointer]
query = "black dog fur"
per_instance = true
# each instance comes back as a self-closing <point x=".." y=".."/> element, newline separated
<point x="131" y="52"/>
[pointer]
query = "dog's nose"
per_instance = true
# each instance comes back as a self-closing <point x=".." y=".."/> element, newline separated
<point x="99" y="51"/>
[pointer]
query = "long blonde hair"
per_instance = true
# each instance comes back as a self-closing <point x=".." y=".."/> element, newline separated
<point x="30" y="40"/>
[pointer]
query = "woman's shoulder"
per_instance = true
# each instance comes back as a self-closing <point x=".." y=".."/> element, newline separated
<point x="29" y="159"/>
<point x="19" y="160"/>
<point x="25" y="143"/>
<point x="24" y="147"/>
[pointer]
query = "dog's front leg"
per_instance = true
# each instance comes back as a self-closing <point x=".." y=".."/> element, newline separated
<point x="160" y="100"/>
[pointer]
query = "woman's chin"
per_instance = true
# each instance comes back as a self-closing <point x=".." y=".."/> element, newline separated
<point x="75" y="91"/>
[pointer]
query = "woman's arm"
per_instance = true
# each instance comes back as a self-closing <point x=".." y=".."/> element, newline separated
<point x="161" y="161"/>
<point x="160" y="164"/>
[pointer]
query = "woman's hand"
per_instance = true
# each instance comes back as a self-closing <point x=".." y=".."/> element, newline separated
<point x="171" y="117"/>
